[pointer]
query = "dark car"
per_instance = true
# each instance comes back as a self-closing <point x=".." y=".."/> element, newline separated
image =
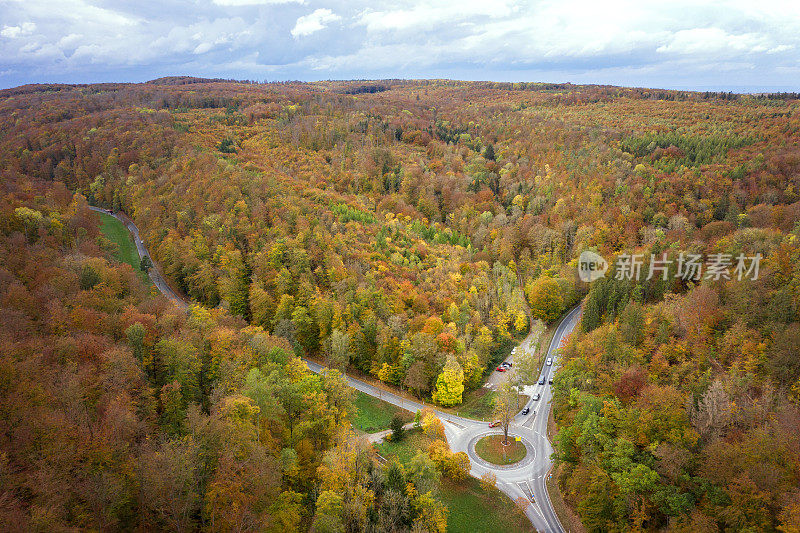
<point x="550" y="381"/>
<point x="526" y="410"/>
<point x="508" y="365"/>
<point x="536" y="397"/>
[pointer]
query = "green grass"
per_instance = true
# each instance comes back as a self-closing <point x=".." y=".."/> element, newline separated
<point x="475" y="510"/>
<point x="478" y="404"/>
<point x="491" y="449"/>
<point x="123" y="248"/>
<point x="471" y="507"/>
<point x="407" y="448"/>
<point x="374" y="415"/>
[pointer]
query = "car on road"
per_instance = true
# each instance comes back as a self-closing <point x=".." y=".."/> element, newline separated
<point x="526" y="410"/>
<point x="549" y="361"/>
<point x="494" y="424"/>
<point x="501" y="368"/>
<point x="541" y="380"/>
<point x="536" y="397"/>
<point x="507" y="364"/>
<point x="550" y="381"/>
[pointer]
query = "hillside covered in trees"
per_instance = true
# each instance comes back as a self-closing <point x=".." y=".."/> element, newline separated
<point x="409" y="230"/>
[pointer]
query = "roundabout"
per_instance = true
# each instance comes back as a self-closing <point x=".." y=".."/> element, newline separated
<point x="522" y="448"/>
<point x="494" y="449"/>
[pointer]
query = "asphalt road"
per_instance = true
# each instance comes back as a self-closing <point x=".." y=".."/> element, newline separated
<point x="525" y="479"/>
<point x="154" y="273"/>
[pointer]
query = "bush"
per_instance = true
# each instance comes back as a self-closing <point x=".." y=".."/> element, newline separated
<point x="226" y="146"/>
<point x="398" y="432"/>
<point x="89" y="278"/>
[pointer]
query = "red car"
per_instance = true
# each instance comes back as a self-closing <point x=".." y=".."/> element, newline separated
<point x="494" y="424"/>
<point x="501" y="369"/>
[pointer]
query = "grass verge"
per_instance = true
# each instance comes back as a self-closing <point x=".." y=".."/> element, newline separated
<point x="569" y="520"/>
<point x="403" y="451"/>
<point x="121" y="245"/>
<point x="373" y="415"/>
<point x="477" y="404"/>
<point x="491" y="449"/>
<point x="472" y="507"/>
<point x="477" y="509"/>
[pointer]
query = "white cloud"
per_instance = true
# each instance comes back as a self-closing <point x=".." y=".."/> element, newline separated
<point x="15" y="31"/>
<point x="239" y="3"/>
<point x="495" y="39"/>
<point x="313" y="22"/>
<point x="703" y="41"/>
<point x="430" y="14"/>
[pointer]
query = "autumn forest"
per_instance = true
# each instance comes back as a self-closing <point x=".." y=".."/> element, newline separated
<point x="412" y="233"/>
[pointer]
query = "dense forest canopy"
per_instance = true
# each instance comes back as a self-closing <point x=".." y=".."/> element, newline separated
<point x="409" y="230"/>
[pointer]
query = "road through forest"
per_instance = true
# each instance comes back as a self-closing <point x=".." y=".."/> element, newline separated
<point x="525" y="479"/>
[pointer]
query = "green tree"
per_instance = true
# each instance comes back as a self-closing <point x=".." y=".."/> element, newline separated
<point x="89" y="278"/>
<point x="422" y="472"/>
<point x="328" y="515"/>
<point x="135" y="334"/>
<point x="396" y="425"/>
<point x="488" y="152"/>
<point x="306" y="329"/>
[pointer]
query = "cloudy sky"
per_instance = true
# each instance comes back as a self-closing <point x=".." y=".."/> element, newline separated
<point x="731" y="45"/>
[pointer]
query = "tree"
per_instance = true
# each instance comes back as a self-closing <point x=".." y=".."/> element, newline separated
<point x="526" y="365"/>
<point x="422" y="472"/>
<point x="339" y="356"/>
<point x="458" y="466"/>
<point x="169" y="476"/>
<point x="488" y="152"/>
<point x="785" y="363"/>
<point x="505" y="406"/>
<point x="449" y="384"/>
<point x="135" y="334"/>
<point x="89" y="277"/>
<point x="398" y="432"/>
<point x="328" y="515"/>
<point x="227" y="146"/>
<point x="546" y="302"/>
<point x="416" y="380"/>
<point x="394" y="476"/>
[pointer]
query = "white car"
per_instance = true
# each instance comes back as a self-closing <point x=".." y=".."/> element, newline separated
<point x="549" y="361"/>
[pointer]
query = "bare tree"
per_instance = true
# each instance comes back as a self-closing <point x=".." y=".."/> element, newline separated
<point x="713" y="412"/>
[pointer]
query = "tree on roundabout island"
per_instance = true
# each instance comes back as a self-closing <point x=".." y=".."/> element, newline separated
<point x="505" y="407"/>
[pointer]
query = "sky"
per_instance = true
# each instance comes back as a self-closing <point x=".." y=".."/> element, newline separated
<point x="738" y="45"/>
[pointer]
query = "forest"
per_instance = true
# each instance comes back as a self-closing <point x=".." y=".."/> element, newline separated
<point x="406" y="230"/>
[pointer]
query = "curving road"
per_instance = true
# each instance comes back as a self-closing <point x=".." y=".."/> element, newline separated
<point x="525" y="479"/>
<point x="154" y="273"/>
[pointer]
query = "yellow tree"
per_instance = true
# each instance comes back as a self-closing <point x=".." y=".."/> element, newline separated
<point x="544" y="296"/>
<point x="449" y="384"/>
